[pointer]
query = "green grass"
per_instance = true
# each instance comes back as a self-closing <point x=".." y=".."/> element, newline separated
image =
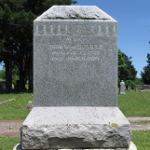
<point x="140" y="139"/>
<point x="8" y="143"/>
<point x="15" y="109"/>
<point x="135" y="103"/>
<point x="131" y="104"/>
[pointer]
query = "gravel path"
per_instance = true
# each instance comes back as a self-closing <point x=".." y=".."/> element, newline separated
<point x="11" y="127"/>
<point x="135" y="126"/>
<point x="9" y="100"/>
<point x="138" y="119"/>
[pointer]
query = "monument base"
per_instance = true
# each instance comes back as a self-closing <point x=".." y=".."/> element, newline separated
<point x="122" y="93"/>
<point x="131" y="147"/>
<point x="75" y="127"/>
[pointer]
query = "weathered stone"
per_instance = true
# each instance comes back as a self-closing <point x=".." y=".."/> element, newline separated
<point x="75" y="82"/>
<point x="29" y="105"/>
<point x="75" y="12"/>
<point x="75" y="61"/>
<point x="131" y="147"/>
<point x="75" y="127"/>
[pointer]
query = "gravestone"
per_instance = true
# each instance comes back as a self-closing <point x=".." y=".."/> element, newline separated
<point x="75" y="82"/>
<point x="3" y="86"/>
<point x="13" y="86"/>
<point x="145" y="88"/>
<point x="122" y="87"/>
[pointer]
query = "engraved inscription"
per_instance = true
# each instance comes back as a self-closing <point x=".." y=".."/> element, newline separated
<point x="80" y="52"/>
<point x="75" y="30"/>
<point x="74" y="53"/>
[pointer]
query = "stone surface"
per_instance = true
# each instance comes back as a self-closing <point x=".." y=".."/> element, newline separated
<point x="75" y="61"/>
<point x="145" y="88"/>
<point x="3" y="86"/>
<point x="75" y="82"/>
<point x="75" y="127"/>
<point x="29" y="105"/>
<point x="75" y="12"/>
<point x="131" y="147"/>
<point x="122" y="87"/>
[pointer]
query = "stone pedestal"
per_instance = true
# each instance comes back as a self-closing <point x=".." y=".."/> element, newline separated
<point x="131" y="147"/>
<point x="75" y="127"/>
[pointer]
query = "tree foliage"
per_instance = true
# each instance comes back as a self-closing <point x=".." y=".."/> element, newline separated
<point x="145" y="74"/>
<point x="16" y="34"/>
<point x="130" y="83"/>
<point x="2" y="74"/>
<point x="126" y="70"/>
<point x="138" y="81"/>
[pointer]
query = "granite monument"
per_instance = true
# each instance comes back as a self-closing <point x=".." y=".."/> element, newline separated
<point x="75" y="82"/>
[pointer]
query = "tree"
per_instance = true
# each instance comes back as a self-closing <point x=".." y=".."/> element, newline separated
<point x="7" y="29"/>
<point x="2" y="74"/>
<point x="16" y="29"/>
<point x="126" y="70"/>
<point x="146" y="71"/>
<point x="130" y="83"/>
<point x="138" y="81"/>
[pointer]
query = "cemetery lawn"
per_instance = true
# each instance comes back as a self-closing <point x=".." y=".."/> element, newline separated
<point x="13" y="106"/>
<point x="135" y="104"/>
<point x="132" y="104"/>
<point x="140" y="138"/>
<point x="8" y="143"/>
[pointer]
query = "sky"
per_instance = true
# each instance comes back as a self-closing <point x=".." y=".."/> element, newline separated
<point x="133" y="17"/>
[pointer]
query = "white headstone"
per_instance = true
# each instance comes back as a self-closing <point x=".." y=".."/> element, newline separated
<point x="122" y="87"/>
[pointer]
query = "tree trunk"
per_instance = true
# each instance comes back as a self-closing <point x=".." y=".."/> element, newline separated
<point x="30" y="66"/>
<point x="22" y="80"/>
<point x="8" y="75"/>
<point x="22" y="77"/>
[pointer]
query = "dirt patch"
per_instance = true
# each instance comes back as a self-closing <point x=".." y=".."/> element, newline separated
<point x="12" y="127"/>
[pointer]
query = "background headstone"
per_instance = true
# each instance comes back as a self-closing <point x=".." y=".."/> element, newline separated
<point x="3" y="86"/>
<point x="122" y="87"/>
<point x="145" y="88"/>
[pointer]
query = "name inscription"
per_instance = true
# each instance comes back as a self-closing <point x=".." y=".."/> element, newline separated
<point x="67" y="42"/>
<point x="75" y="56"/>
<point x="52" y="30"/>
<point x="70" y="52"/>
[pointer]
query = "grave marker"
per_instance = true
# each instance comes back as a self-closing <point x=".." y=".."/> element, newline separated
<point x="75" y="82"/>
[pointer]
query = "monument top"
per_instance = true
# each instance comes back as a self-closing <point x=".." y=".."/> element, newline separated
<point x="75" y="12"/>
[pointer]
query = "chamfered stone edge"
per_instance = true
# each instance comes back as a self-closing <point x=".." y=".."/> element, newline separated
<point x="75" y="12"/>
<point x="75" y="127"/>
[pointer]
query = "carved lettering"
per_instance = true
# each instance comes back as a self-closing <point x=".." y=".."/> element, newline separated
<point x="107" y="30"/>
<point x="44" y="29"/>
<point x="76" y="30"/>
